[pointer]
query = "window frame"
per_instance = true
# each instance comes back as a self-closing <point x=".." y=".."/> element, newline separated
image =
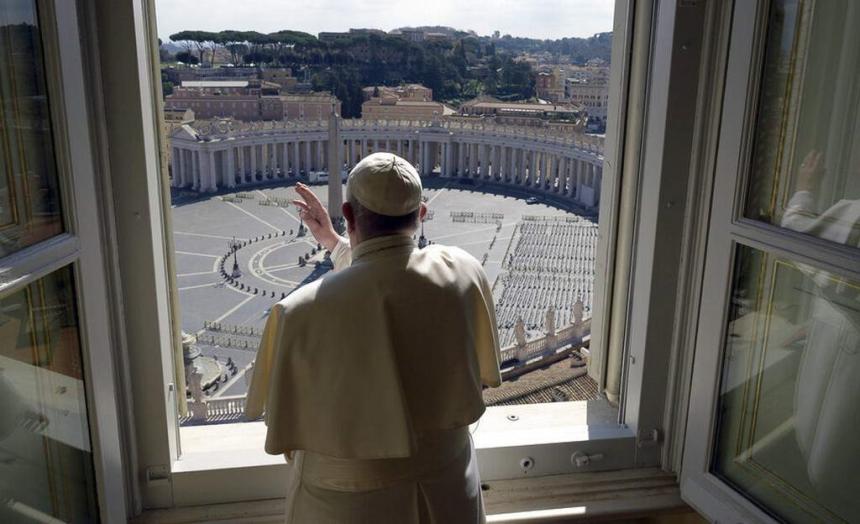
<point x="79" y="247"/>
<point x="643" y="158"/>
<point x="729" y="229"/>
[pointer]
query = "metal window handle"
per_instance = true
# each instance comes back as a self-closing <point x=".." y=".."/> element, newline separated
<point x="580" y="459"/>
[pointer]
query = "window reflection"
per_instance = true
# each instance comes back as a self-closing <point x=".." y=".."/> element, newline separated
<point x="806" y="160"/>
<point x="45" y="453"/>
<point x="29" y="197"/>
<point x="790" y="403"/>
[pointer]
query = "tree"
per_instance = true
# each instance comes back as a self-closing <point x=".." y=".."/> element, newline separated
<point x="186" y="58"/>
<point x="234" y="43"/>
<point x="201" y="40"/>
<point x="163" y="53"/>
<point x="516" y="79"/>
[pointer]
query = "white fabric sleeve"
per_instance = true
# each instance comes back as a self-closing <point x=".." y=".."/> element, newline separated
<point x="341" y="255"/>
<point x="799" y="213"/>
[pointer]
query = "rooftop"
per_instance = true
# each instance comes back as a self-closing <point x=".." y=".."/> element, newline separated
<point x="518" y="106"/>
<point x="557" y="382"/>
<point x="215" y="83"/>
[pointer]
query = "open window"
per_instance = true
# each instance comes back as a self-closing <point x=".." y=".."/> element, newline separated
<point x="773" y="419"/>
<point x="523" y="185"/>
<point x="59" y="440"/>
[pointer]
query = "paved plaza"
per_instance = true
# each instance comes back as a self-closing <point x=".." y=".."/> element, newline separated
<point x="222" y="314"/>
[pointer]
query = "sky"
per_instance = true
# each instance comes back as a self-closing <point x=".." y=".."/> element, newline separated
<point x="531" y="18"/>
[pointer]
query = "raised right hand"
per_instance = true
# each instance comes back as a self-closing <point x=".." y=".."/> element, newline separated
<point x="316" y="217"/>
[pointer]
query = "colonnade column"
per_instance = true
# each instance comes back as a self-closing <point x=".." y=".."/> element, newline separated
<point x="571" y="177"/>
<point x="273" y="158"/>
<point x="174" y="167"/>
<point x="553" y="173"/>
<point x="562" y="177"/>
<point x="548" y="167"/>
<point x="212" y="172"/>
<point x="568" y="183"/>
<point x="178" y="175"/>
<point x="449" y="159"/>
<point x="521" y="166"/>
<point x="230" y="174"/>
<point x="425" y="158"/>
<point x="580" y="165"/>
<point x="550" y="171"/>
<point x="202" y="157"/>
<point x="205" y="170"/>
<point x="461" y="159"/>
<point x="240" y="161"/>
<point x="195" y="171"/>
<point x="262" y="161"/>
<point x="252" y="150"/>
<point x="531" y="160"/>
<point x="540" y="181"/>
<point x="296" y="158"/>
<point x="178" y="167"/>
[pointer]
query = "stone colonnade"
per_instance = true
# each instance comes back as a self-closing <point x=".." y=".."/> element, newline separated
<point x="534" y="162"/>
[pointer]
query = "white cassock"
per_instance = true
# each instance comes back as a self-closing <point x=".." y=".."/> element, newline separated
<point x="369" y="378"/>
<point x="827" y="395"/>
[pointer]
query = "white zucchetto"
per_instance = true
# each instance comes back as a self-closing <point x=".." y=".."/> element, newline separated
<point x="385" y="184"/>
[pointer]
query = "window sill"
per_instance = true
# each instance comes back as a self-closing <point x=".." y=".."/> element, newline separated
<point x="224" y="446"/>
<point x="226" y="463"/>
<point x="623" y="494"/>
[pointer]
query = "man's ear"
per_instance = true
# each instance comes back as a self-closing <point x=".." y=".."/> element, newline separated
<point x="422" y="212"/>
<point x="349" y="215"/>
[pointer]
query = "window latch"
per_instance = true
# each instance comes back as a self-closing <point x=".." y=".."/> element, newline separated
<point x="580" y="459"/>
<point x="648" y="439"/>
<point x="157" y="475"/>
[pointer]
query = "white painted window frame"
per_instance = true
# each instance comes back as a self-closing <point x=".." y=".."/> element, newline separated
<point x="653" y="160"/>
<point x="728" y="230"/>
<point x="80" y="247"/>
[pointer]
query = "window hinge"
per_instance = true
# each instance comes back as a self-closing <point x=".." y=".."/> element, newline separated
<point x="648" y="439"/>
<point x="157" y="475"/>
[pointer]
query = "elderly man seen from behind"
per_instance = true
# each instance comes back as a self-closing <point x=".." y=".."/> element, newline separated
<point x="370" y="376"/>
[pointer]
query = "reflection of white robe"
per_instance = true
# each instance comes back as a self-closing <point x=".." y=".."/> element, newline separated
<point x="827" y="397"/>
<point x="369" y="378"/>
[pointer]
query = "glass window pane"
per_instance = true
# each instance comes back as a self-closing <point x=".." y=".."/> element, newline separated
<point x="29" y="192"/>
<point x="789" y="412"/>
<point x="806" y="160"/>
<point x="45" y="454"/>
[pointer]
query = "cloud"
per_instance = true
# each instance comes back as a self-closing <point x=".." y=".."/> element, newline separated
<point x="532" y="18"/>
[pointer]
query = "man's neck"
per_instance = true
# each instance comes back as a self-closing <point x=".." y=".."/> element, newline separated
<point x="356" y="237"/>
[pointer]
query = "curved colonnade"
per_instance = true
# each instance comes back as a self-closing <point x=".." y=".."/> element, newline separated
<point x="225" y="154"/>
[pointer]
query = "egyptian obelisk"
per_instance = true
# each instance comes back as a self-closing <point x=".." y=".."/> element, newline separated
<point x="335" y="164"/>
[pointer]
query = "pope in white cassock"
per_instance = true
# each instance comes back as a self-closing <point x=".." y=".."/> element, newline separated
<point x="370" y="376"/>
